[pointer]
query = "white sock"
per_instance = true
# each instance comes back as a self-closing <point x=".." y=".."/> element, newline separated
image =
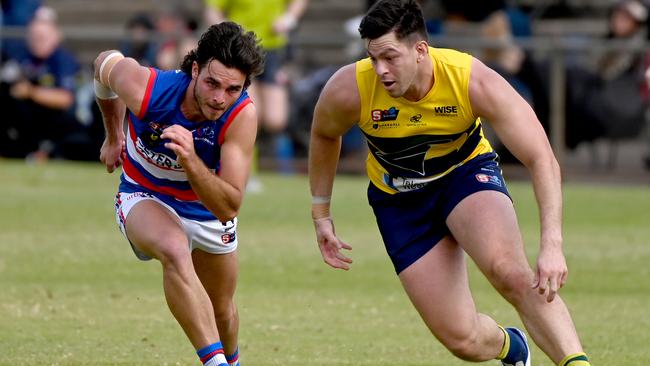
<point x="217" y="360"/>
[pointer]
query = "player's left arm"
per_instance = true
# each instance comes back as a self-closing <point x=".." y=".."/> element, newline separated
<point x="517" y="126"/>
<point x="222" y="194"/>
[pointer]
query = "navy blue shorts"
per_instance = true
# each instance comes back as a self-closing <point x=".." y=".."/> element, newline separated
<point x="273" y="62"/>
<point x="411" y="223"/>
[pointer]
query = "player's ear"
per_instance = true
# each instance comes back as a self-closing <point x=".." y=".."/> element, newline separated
<point x="195" y="70"/>
<point x="422" y="48"/>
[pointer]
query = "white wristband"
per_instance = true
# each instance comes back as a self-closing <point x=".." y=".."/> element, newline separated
<point x="320" y="219"/>
<point x="318" y="200"/>
<point x="290" y="21"/>
<point x="103" y="92"/>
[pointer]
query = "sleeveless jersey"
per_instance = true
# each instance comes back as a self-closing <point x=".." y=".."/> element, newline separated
<point x="256" y="16"/>
<point x="413" y="143"/>
<point x="149" y="166"/>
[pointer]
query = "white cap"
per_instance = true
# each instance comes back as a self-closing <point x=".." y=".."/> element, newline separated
<point x="635" y="9"/>
<point x="45" y="13"/>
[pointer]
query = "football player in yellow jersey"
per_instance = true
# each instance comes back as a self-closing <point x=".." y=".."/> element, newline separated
<point x="437" y="191"/>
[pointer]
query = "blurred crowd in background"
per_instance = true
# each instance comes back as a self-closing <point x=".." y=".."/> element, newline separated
<point x="48" y="108"/>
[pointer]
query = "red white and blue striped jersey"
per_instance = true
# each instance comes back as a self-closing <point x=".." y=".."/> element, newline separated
<point x="149" y="166"/>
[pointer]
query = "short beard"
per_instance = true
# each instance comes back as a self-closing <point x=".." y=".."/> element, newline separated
<point x="196" y="100"/>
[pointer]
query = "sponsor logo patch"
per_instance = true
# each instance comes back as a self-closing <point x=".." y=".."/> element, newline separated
<point x="157" y="158"/>
<point x="446" y="110"/>
<point x="490" y="179"/>
<point x="379" y="115"/>
<point x="228" y="238"/>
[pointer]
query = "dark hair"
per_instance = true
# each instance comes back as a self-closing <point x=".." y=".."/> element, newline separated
<point x="404" y="17"/>
<point x="229" y="44"/>
<point x="140" y="20"/>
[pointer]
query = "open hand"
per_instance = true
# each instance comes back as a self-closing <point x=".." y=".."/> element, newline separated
<point x="330" y="246"/>
<point x="551" y="273"/>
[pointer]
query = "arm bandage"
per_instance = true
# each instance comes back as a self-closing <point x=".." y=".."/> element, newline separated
<point x="103" y="92"/>
<point x="103" y="88"/>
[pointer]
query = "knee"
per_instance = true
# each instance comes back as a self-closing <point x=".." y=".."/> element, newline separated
<point x="224" y="311"/>
<point x="174" y="256"/>
<point x="274" y="123"/>
<point x="513" y="281"/>
<point x="464" y="346"/>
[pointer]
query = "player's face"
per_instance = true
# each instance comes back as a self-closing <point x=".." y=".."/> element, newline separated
<point x="216" y="88"/>
<point x="395" y="62"/>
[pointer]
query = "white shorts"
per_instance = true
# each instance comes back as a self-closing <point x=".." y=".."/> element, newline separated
<point x="211" y="236"/>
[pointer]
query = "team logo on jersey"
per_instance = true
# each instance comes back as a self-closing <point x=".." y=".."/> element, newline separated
<point x="410" y="159"/>
<point x="151" y="138"/>
<point x="491" y="179"/>
<point x="205" y="134"/>
<point x="415" y="120"/>
<point x="446" y="110"/>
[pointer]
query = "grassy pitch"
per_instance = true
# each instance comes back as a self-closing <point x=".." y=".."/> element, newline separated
<point x="72" y="293"/>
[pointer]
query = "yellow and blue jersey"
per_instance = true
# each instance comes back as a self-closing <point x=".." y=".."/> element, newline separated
<point x="413" y="143"/>
<point x="256" y="16"/>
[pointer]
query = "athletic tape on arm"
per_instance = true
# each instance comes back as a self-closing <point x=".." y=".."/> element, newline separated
<point x="102" y="87"/>
<point x="103" y="92"/>
<point x="106" y="81"/>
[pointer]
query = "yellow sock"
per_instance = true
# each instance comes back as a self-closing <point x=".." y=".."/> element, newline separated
<point x="506" y="344"/>
<point x="576" y="359"/>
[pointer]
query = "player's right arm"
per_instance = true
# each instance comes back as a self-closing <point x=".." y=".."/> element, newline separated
<point x="337" y="110"/>
<point x="119" y="83"/>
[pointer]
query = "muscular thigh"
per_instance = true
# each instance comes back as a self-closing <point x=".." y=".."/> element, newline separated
<point x="153" y="229"/>
<point x="438" y="287"/>
<point x="485" y="226"/>
<point x="275" y="105"/>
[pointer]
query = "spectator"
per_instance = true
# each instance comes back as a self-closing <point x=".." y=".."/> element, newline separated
<point x="176" y="32"/>
<point x="38" y="93"/>
<point x="139" y="44"/>
<point x="492" y="20"/>
<point x="272" y="21"/>
<point x="16" y="13"/>
<point x="608" y="99"/>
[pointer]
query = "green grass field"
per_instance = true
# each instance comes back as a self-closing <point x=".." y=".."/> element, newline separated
<point x="72" y="293"/>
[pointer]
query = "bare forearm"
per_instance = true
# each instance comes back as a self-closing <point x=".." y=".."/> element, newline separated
<point x="217" y="195"/>
<point x="113" y="111"/>
<point x="547" y="182"/>
<point x="323" y="160"/>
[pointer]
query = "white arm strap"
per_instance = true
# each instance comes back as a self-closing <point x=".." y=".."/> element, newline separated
<point x="103" y="92"/>
<point x="104" y="63"/>
<point x="102" y="87"/>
